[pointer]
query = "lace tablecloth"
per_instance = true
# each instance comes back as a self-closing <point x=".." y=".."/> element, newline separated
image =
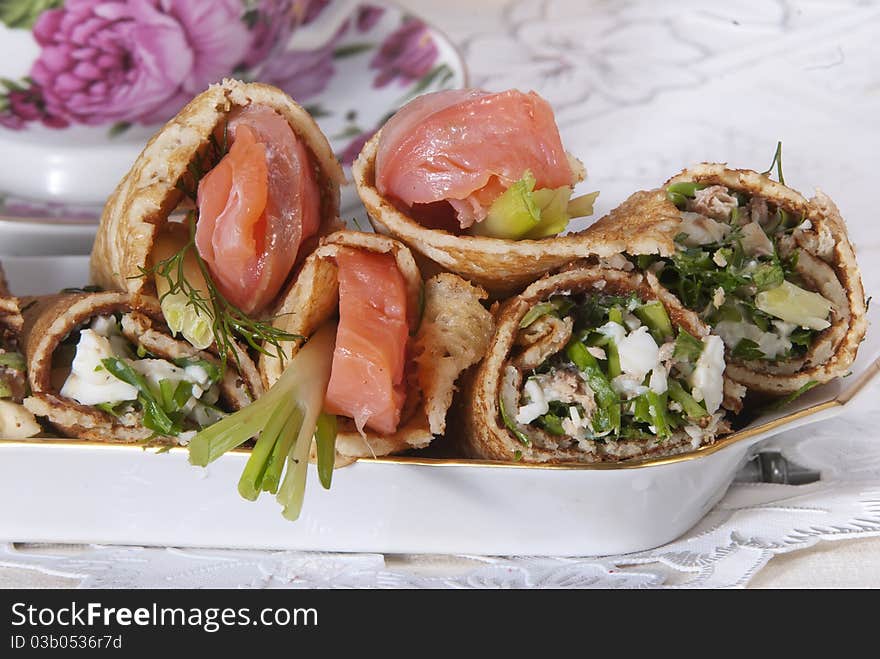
<point x="642" y="89"/>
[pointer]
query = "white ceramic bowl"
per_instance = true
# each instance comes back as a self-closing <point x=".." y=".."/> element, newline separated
<point x="350" y="63"/>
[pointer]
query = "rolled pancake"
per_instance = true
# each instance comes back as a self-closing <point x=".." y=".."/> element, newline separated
<point x="4" y="286"/>
<point x="500" y="266"/>
<point x="148" y="194"/>
<point x="453" y="333"/>
<point x="10" y="315"/>
<point x="15" y="421"/>
<point x="826" y="262"/>
<point x="49" y="320"/>
<point x="486" y="435"/>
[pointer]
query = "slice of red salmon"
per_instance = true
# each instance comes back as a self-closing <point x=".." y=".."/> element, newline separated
<point x="466" y="147"/>
<point x="256" y="206"/>
<point x="369" y="362"/>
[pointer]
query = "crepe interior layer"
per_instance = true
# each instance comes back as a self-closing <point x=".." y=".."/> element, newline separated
<point x="50" y="319"/>
<point x="500" y="266"/>
<point x="16" y="422"/>
<point x="148" y="194"/>
<point x="10" y="313"/>
<point x="826" y="261"/>
<point x="453" y="334"/>
<point x="4" y="286"/>
<point x="486" y="436"/>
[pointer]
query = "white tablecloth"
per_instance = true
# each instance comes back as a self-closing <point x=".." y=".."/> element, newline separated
<point x="643" y="89"/>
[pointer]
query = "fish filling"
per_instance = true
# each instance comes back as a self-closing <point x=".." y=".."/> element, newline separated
<point x="599" y="368"/>
<point x="736" y="265"/>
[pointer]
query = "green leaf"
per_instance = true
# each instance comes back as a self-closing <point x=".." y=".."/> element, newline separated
<point x="689" y="404"/>
<point x="680" y="202"/>
<point x="747" y="350"/>
<point x="84" y="289"/>
<point x="767" y="276"/>
<point x="113" y="409"/>
<point x="687" y="347"/>
<point x="348" y="132"/>
<point x="352" y="49"/>
<point x="657" y="412"/>
<point x="12" y="85"/>
<point x="317" y="111"/>
<point x="556" y="306"/>
<point x="443" y="72"/>
<point x="782" y="402"/>
<point x="13" y="360"/>
<point x="250" y="18"/>
<point x="155" y="417"/>
<point x="509" y="419"/>
<point x="653" y="314"/>
<point x="685" y="188"/>
<point x="118" y="128"/>
<point x="536" y="312"/>
<point x="607" y="417"/>
<point x="212" y="369"/>
<point x="802" y="337"/>
<point x="24" y="13"/>
<point x="551" y="423"/>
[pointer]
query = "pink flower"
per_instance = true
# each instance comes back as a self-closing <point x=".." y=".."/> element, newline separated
<point x="25" y="105"/>
<point x="406" y="55"/>
<point x="368" y="16"/>
<point x="134" y="60"/>
<point x="308" y="10"/>
<point x="272" y="24"/>
<point x="301" y="73"/>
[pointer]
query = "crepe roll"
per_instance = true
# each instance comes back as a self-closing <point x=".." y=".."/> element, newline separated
<point x="478" y="183"/>
<point x="16" y="422"/>
<point x="593" y="365"/>
<point x="104" y="366"/>
<point x="773" y="274"/>
<point x="401" y="343"/>
<point x="223" y="203"/>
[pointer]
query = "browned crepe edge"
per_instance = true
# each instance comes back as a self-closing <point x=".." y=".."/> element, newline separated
<point x="4" y="286"/>
<point x="313" y="299"/>
<point x="48" y="320"/>
<point x="824" y="216"/>
<point x="500" y="266"/>
<point x="484" y="434"/>
<point x="10" y="328"/>
<point x="147" y="194"/>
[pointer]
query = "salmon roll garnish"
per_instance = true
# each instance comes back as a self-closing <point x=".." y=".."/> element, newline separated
<point x="372" y="372"/>
<point x="218" y="212"/>
<point x="479" y="182"/>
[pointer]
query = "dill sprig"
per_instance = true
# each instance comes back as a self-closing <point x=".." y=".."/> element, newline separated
<point x="227" y="320"/>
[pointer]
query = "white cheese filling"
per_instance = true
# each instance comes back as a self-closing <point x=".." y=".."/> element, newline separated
<point x="772" y="344"/>
<point x="707" y="380"/>
<point x="89" y="383"/>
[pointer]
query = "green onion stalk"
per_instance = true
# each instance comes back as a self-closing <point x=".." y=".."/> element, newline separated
<point x="284" y="420"/>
